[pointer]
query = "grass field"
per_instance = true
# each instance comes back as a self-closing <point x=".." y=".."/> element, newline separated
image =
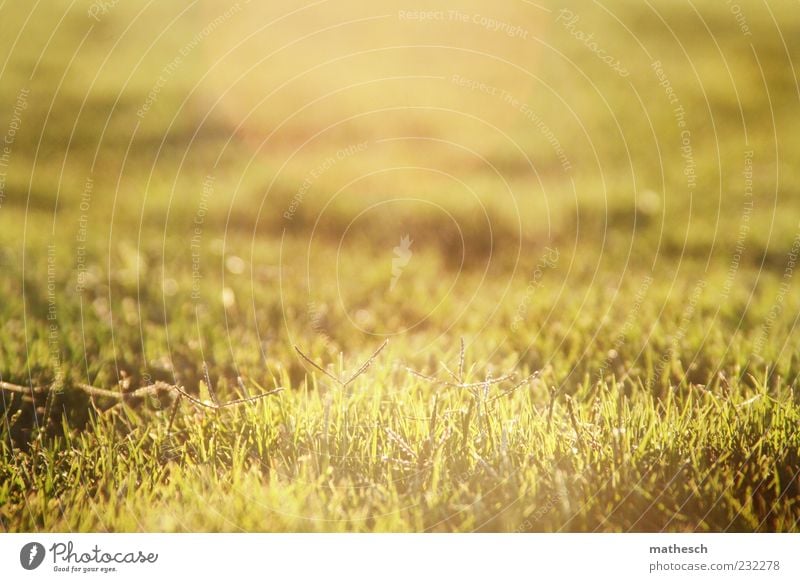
<point x="519" y="267"/>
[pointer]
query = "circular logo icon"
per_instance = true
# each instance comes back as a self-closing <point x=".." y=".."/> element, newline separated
<point x="31" y="555"/>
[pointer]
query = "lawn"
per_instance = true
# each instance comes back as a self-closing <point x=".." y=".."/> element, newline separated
<point x="345" y="267"/>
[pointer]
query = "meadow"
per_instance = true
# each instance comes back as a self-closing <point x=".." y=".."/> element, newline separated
<point x="376" y="267"/>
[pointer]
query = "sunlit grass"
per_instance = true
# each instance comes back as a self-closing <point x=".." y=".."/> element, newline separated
<point x="257" y="205"/>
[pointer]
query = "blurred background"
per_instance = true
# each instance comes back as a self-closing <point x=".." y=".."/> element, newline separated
<point x="583" y="187"/>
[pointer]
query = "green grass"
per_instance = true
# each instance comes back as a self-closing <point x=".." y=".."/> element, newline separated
<point x="649" y="319"/>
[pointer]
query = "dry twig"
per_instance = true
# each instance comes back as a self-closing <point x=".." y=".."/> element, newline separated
<point x="459" y="377"/>
<point x="122" y="397"/>
<point x="341" y="381"/>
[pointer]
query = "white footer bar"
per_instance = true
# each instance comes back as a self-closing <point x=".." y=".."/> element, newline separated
<point x="389" y="557"/>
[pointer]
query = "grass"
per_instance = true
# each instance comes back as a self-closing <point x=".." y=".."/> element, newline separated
<point x="629" y="359"/>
